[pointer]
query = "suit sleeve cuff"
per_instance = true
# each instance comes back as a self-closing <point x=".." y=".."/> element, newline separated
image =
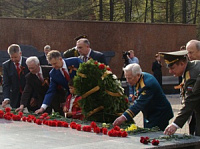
<point x="176" y="125"/>
<point x="44" y="106"/>
<point x="124" y="116"/>
<point x="6" y="99"/>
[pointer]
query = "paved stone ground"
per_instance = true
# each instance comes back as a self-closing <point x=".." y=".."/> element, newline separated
<point x="18" y="135"/>
<point x="175" y="101"/>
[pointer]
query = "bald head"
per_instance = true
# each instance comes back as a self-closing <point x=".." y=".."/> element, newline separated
<point x="193" y="48"/>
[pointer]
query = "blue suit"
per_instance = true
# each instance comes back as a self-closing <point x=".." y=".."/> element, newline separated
<point x="152" y="101"/>
<point x="57" y="78"/>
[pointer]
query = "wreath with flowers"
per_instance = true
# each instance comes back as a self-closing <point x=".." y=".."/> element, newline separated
<point x="103" y="98"/>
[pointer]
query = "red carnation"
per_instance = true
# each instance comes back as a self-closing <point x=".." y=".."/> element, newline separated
<point x="38" y="121"/>
<point x="117" y="128"/>
<point x="97" y="130"/>
<point x="59" y="124"/>
<point x="144" y="140"/>
<point x="24" y="119"/>
<point x="78" y="127"/>
<point x="155" y="142"/>
<point x="7" y="109"/>
<point x="53" y="123"/>
<point x="93" y="124"/>
<point x="124" y="134"/>
<point x="20" y="113"/>
<point x="101" y="66"/>
<point x="96" y="63"/>
<point x="48" y="117"/>
<point x="65" y="124"/>
<point x="104" y="130"/>
<point x="108" y="68"/>
<point x="1" y="115"/>
<point x="29" y="120"/>
<point x="73" y="125"/>
<point x="45" y="114"/>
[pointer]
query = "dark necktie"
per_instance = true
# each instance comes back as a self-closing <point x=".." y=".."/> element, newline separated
<point x="66" y="74"/>
<point x="18" y="73"/>
<point x="40" y="77"/>
<point x="18" y="69"/>
<point x="84" y="58"/>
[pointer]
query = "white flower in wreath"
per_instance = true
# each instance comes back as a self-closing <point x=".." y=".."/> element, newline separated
<point x="114" y="76"/>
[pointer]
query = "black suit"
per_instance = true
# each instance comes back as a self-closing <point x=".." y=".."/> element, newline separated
<point x="11" y="82"/>
<point x="157" y="71"/>
<point x="43" y="60"/>
<point x="96" y="55"/>
<point x="34" y="87"/>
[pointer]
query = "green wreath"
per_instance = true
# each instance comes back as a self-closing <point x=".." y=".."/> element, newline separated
<point x="103" y="98"/>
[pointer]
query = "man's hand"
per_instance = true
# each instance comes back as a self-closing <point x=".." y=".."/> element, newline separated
<point x="41" y="110"/>
<point x="4" y="103"/>
<point x="119" y="120"/>
<point x="65" y="109"/>
<point x="69" y="114"/>
<point x="33" y="102"/>
<point x="20" y="109"/>
<point x="170" y="130"/>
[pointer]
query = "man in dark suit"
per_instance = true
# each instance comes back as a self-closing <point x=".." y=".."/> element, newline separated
<point x="37" y="84"/>
<point x="43" y="58"/>
<point x="14" y="71"/>
<point x="83" y="47"/>
<point x="63" y="70"/>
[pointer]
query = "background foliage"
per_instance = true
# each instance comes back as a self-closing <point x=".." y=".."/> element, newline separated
<point x="151" y="11"/>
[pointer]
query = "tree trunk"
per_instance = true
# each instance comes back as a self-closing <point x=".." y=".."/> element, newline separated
<point x="195" y="12"/>
<point x="100" y="10"/>
<point x="171" y="11"/>
<point x="127" y="7"/>
<point x="145" y="13"/>
<point x="111" y="9"/>
<point x="152" y="12"/>
<point x="184" y="14"/>
<point x="167" y="10"/>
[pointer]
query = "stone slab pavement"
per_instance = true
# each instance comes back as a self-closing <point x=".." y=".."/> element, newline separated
<point x="19" y="135"/>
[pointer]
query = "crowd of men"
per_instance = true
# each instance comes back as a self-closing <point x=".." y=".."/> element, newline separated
<point x="41" y="84"/>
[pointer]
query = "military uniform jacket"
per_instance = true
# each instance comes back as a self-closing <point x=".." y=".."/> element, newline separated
<point x="190" y="95"/>
<point x="151" y="101"/>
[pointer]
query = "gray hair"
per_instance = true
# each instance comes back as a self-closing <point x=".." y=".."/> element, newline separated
<point x="33" y="59"/>
<point x="134" y="68"/>
<point x="84" y="40"/>
<point x="195" y="42"/>
<point x="14" y="48"/>
<point x="47" y="47"/>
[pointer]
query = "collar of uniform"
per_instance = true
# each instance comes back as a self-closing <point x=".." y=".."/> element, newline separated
<point x="140" y="82"/>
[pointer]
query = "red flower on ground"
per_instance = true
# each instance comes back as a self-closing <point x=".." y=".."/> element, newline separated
<point x="24" y="119"/>
<point x="155" y="142"/>
<point x="144" y="140"/>
<point x="7" y="109"/>
<point x="73" y="125"/>
<point x="38" y="121"/>
<point x="117" y="128"/>
<point x="65" y="124"/>
<point x="78" y="127"/>
<point x="20" y="113"/>
<point x="104" y="130"/>
<point x="124" y="134"/>
<point x="97" y="130"/>
<point x="93" y="124"/>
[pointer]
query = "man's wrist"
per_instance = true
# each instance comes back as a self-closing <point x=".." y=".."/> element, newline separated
<point x="44" y="106"/>
<point x="175" y="125"/>
<point x="6" y="99"/>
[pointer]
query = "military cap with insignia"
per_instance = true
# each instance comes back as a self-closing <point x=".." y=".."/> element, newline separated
<point x="79" y="37"/>
<point x="173" y="57"/>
